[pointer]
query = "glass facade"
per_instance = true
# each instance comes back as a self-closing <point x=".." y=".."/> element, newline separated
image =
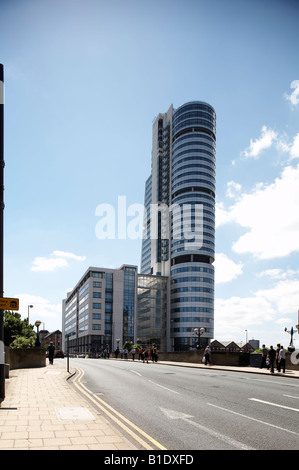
<point x="146" y="241"/>
<point x="193" y="184"/>
<point x="152" y="311"/>
<point x="130" y="274"/>
<point x="107" y="340"/>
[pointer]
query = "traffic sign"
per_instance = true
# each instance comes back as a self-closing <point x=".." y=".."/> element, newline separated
<point x="9" y="304"/>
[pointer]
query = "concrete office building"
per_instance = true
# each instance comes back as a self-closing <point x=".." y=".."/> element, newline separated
<point x="100" y="310"/>
<point x="109" y="307"/>
<point x="179" y="231"/>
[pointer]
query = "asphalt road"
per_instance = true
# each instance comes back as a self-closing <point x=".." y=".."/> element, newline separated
<point x="184" y="408"/>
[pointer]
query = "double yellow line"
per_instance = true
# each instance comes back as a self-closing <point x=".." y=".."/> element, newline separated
<point x="117" y="417"/>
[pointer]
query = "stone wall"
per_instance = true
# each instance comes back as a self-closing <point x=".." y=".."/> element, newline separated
<point x="225" y="358"/>
<point x="217" y="358"/>
<point x="25" y="358"/>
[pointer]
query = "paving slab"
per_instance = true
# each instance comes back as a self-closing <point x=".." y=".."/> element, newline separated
<point x="41" y="411"/>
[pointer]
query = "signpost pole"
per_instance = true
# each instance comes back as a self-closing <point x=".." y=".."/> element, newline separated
<point x="2" y="360"/>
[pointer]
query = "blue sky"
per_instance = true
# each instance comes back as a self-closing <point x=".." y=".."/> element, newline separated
<point x="84" y="80"/>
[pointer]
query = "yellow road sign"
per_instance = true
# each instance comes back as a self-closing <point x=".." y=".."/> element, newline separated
<point x="9" y="304"/>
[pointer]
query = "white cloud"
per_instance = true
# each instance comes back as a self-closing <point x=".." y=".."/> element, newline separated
<point x="268" y="136"/>
<point x="225" y="269"/>
<point x="294" y="150"/>
<point x="233" y="189"/>
<point x="294" y="97"/>
<point x="246" y="310"/>
<point x="275" y="273"/>
<point x="48" y="264"/>
<point x="271" y="214"/>
<point x="42" y="309"/>
<point x="65" y="254"/>
<point x="283" y="144"/>
<point x="284" y="295"/>
<point x="276" y="305"/>
<point x="222" y="215"/>
<point x="268" y="139"/>
<point x="271" y="273"/>
<point x="58" y="259"/>
<point x="284" y="321"/>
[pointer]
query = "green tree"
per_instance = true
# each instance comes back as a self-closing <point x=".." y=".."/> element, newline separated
<point x="23" y="342"/>
<point x="17" y="333"/>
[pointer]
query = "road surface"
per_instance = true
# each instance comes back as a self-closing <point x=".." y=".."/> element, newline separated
<point x="181" y="408"/>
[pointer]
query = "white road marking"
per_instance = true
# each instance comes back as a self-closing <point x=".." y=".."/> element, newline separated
<point x="291" y="396"/>
<point x="274" y="404"/>
<point x="172" y="414"/>
<point x="254" y="419"/>
<point x="158" y="385"/>
<point x="134" y="372"/>
<point x="272" y="382"/>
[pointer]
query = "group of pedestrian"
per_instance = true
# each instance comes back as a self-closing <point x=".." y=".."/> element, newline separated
<point x="146" y="354"/>
<point x="270" y="356"/>
<point x="124" y="353"/>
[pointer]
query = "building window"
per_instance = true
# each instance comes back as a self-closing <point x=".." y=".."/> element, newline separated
<point x="94" y="274"/>
<point x="96" y="316"/>
<point x="96" y="305"/>
<point x="97" y="295"/>
<point x="97" y="284"/>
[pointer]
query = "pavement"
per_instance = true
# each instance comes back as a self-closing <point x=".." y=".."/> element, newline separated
<point x="42" y="411"/>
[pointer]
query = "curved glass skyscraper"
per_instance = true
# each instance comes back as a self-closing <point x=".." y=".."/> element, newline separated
<point x="182" y="201"/>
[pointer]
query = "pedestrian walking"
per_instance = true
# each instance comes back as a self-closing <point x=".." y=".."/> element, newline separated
<point x="154" y="354"/>
<point x="145" y="355"/>
<point x="51" y="350"/>
<point x="271" y="356"/>
<point x="207" y="354"/>
<point x="277" y="358"/>
<point x="133" y="351"/>
<point x="282" y="359"/>
<point x="264" y="356"/>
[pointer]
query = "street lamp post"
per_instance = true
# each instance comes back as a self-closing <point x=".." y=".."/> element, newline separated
<point x="198" y="332"/>
<point x="37" y="342"/>
<point x="68" y="351"/>
<point x="291" y="347"/>
<point x="2" y="205"/>
<point x="29" y="306"/>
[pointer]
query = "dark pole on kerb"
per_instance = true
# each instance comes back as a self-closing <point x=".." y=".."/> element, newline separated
<point x="2" y="361"/>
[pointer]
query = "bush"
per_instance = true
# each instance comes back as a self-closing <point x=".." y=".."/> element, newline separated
<point x="17" y="332"/>
<point x="23" y="342"/>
